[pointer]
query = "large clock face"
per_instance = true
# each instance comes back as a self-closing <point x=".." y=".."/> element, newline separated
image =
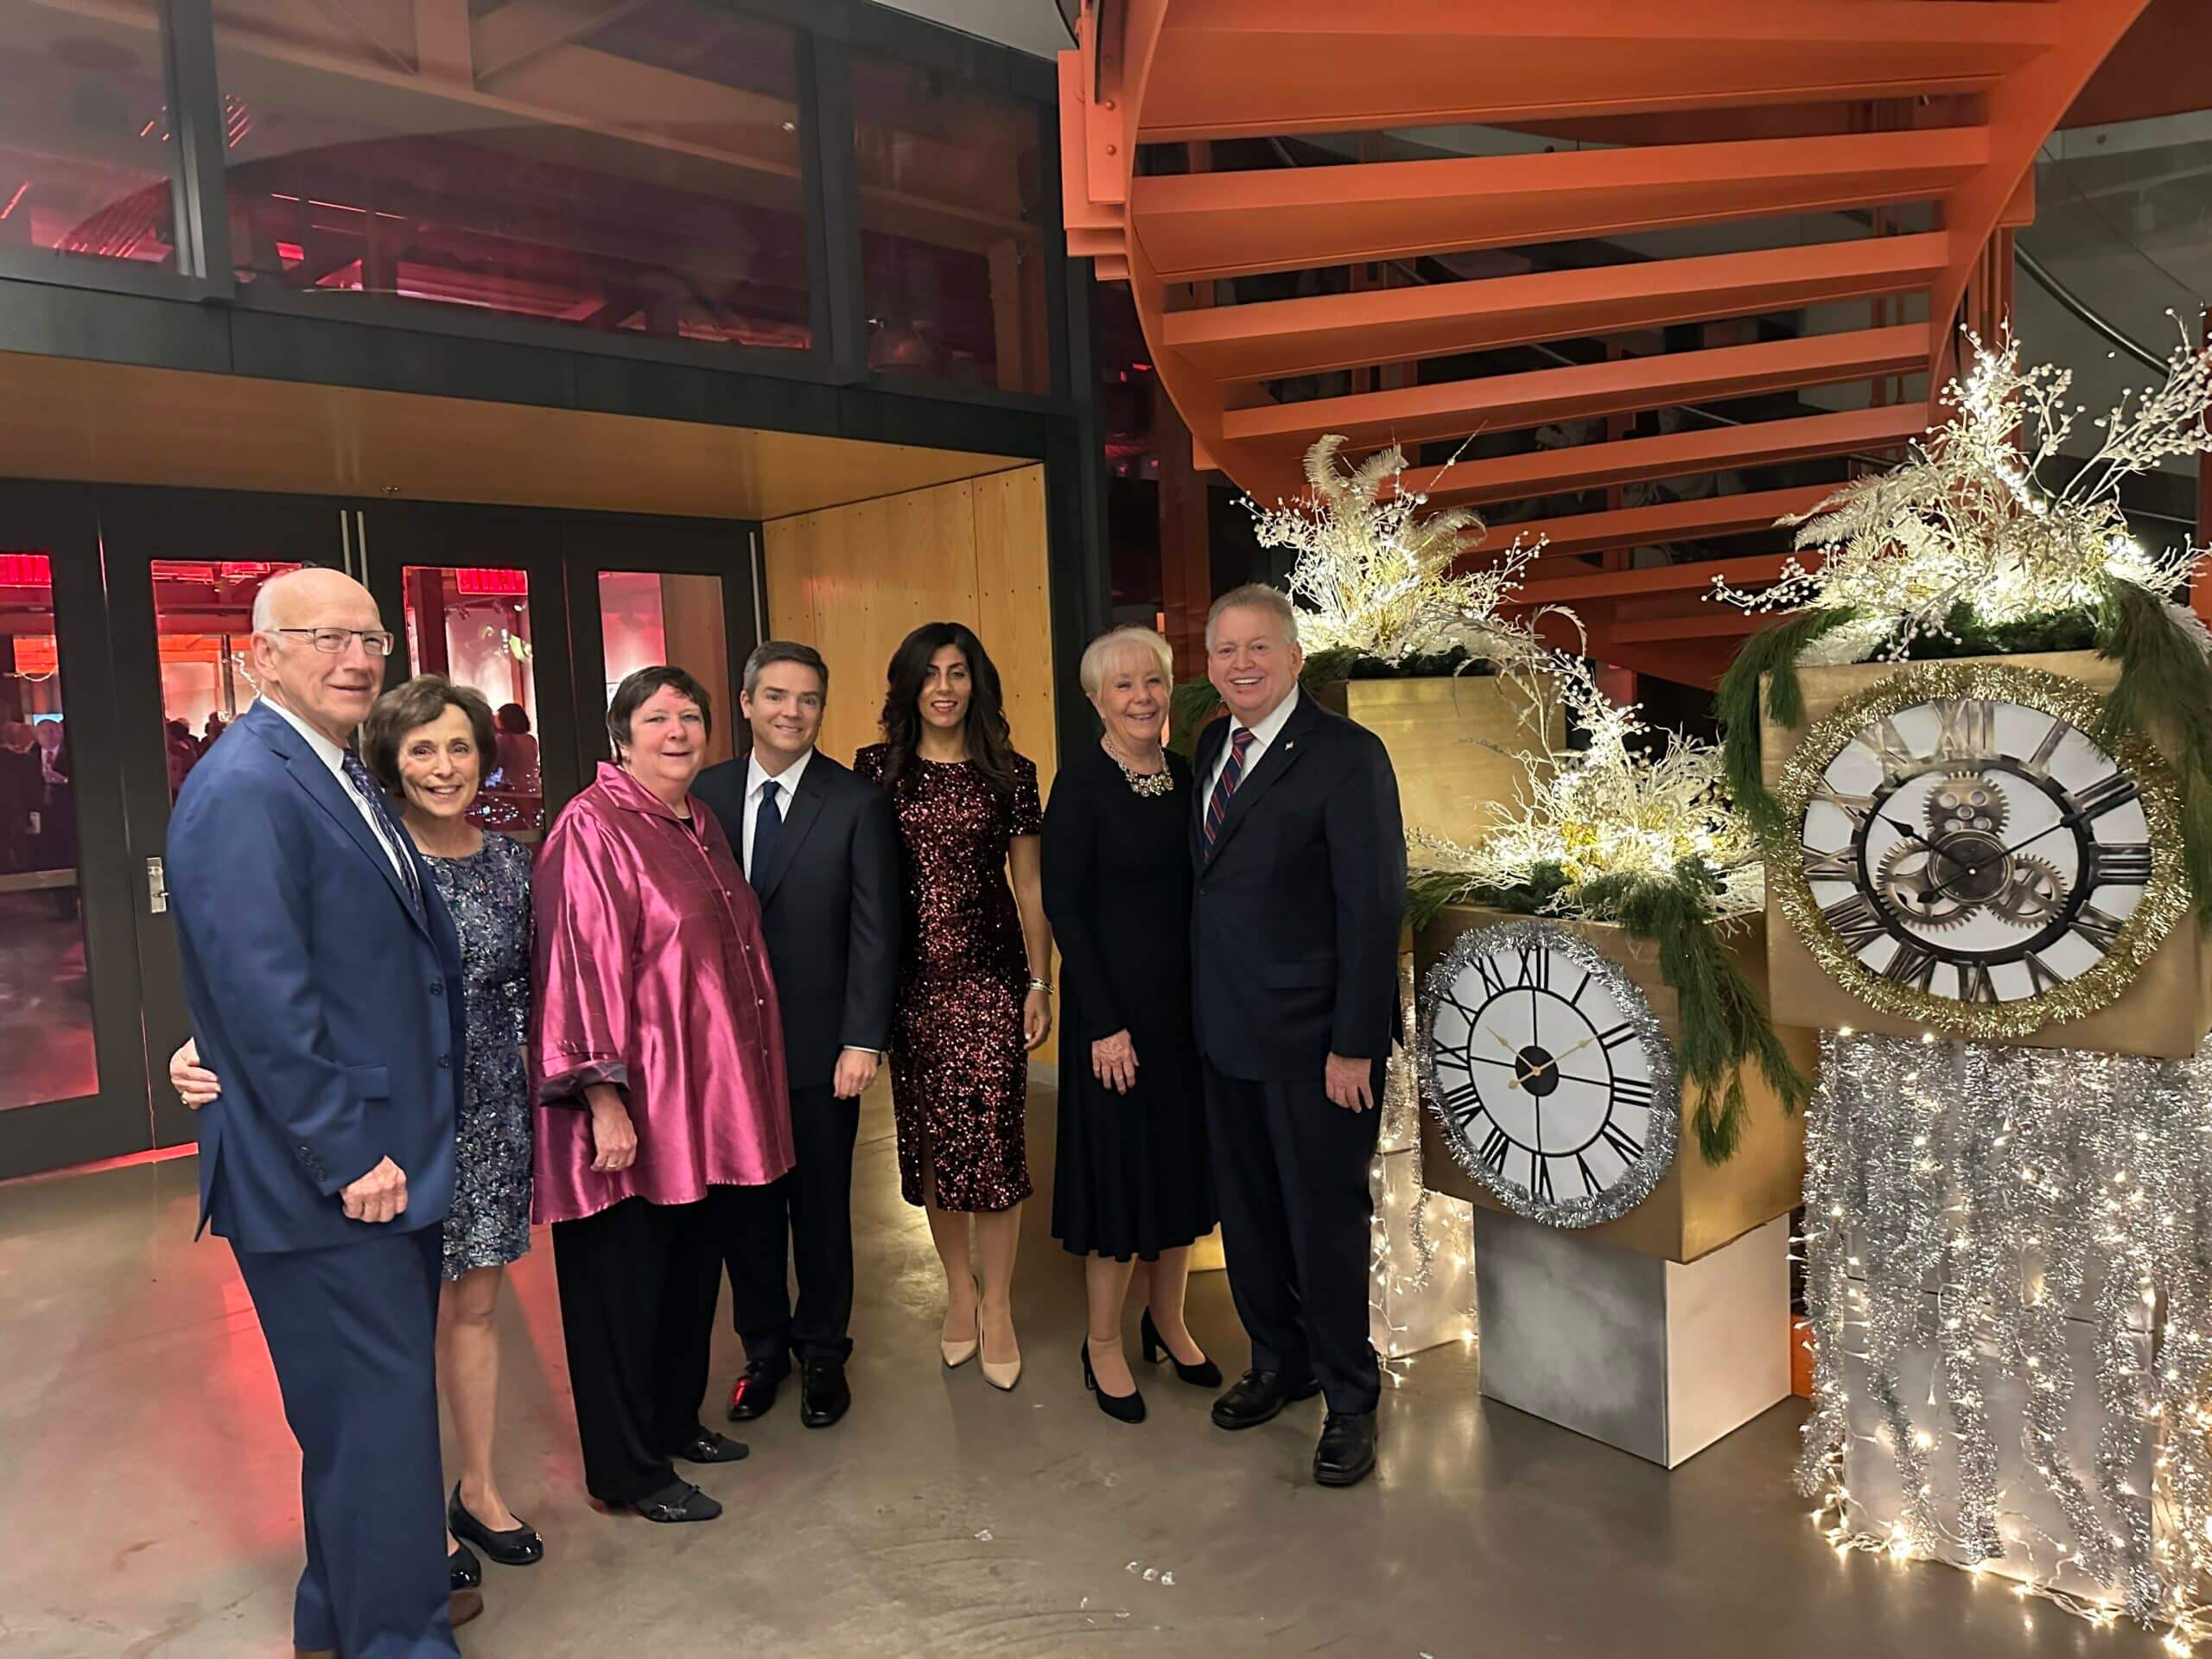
<point x="1553" y="1082"/>
<point x="1973" y="849"/>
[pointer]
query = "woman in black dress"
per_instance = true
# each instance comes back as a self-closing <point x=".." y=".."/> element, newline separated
<point x="1132" y="1182"/>
<point x="975" y="997"/>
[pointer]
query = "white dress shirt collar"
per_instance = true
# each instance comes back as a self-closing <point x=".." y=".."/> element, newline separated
<point x="1266" y="731"/>
<point x="331" y="754"/>
<point x="788" y="778"/>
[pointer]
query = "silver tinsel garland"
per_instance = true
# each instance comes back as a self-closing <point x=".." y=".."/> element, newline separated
<point x="2018" y="1185"/>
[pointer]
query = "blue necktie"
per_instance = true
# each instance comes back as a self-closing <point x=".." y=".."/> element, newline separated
<point x="767" y="824"/>
<point x="387" y="831"/>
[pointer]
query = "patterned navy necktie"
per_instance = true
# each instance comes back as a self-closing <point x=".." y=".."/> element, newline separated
<point x="387" y="829"/>
<point x="1240" y="741"/>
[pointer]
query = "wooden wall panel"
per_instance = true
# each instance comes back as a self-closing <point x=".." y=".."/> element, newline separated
<point x="855" y="580"/>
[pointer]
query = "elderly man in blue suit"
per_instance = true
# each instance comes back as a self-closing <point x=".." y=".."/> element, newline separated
<point x="324" y="982"/>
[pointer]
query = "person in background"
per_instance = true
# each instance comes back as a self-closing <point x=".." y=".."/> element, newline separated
<point x="1130" y="1182"/>
<point x="658" y="1067"/>
<point x="1299" y="859"/>
<point x="22" y="790"/>
<point x="516" y="752"/>
<point x="819" y="848"/>
<point x="182" y="752"/>
<point x="57" y="817"/>
<point x="324" y="981"/>
<point x="213" y="729"/>
<point x="425" y="743"/>
<point x="975" y="997"/>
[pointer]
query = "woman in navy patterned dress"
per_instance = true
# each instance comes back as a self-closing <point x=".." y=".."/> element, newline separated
<point x="428" y="742"/>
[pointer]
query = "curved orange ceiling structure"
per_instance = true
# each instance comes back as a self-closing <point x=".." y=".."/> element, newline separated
<point x="1774" y="209"/>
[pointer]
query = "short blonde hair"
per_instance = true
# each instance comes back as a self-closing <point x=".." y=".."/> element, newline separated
<point x="1256" y="596"/>
<point x="1109" y="644"/>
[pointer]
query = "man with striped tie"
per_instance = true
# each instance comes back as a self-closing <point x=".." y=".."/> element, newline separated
<point x="1300" y="862"/>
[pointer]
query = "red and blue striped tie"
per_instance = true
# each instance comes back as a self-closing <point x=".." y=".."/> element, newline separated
<point x="1225" y="785"/>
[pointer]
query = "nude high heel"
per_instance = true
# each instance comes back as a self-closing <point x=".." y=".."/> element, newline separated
<point x="959" y="1353"/>
<point x="1000" y="1374"/>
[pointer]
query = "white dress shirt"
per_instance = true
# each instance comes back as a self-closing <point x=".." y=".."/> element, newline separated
<point x="334" y="757"/>
<point x="1262" y="734"/>
<point x="756" y="781"/>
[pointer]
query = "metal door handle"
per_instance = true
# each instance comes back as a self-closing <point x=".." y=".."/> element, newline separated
<point x="157" y="888"/>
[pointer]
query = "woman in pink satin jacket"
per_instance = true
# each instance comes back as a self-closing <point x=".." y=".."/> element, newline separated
<point x="658" y="1067"/>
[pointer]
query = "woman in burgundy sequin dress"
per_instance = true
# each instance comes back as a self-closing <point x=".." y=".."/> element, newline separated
<point x="975" y="997"/>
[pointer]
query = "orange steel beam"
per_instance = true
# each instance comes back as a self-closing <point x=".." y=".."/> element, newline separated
<point x="1503" y="403"/>
<point x="1716" y="516"/>
<point x="1236" y="68"/>
<point x="1676" y="455"/>
<point x="1196" y="227"/>
<point x="1277" y="338"/>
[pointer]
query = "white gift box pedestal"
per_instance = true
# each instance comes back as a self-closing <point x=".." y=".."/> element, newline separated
<point x="1402" y="1321"/>
<point x="2029" y="1518"/>
<point x="1659" y="1358"/>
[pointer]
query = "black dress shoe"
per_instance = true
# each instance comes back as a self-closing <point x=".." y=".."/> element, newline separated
<point x="824" y="1394"/>
<point x="463" y="1570"/>
<point x="705" y="1446"/>
<point x="518" y="1546"/>
<point x="1203" y="1375"/>
<point x="1258" y="1396"/>
<point x="755" y="1389"/>
<point x="1121" y="1408"/>
<point x="678" y="1501"/>
<point x="1346" y="1454"/>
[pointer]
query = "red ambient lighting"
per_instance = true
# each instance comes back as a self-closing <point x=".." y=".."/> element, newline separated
<point x="25" y="571"/>
<point x="493" y="582"/>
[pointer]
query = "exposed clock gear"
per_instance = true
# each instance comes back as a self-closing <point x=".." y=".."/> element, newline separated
<point x="1965" y="800"/>
<point x="2034" y="892"/>
<point x="1920" y="884"/>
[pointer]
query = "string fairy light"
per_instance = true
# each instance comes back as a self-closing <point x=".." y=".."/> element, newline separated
<point x="1994" y="1207"/>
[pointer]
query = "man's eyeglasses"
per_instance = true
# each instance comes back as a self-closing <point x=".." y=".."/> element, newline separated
<point x="374" y="641"/>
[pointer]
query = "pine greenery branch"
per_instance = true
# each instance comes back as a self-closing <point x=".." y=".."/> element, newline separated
<point x="1723" y="1025"/>
<point x="1430" y="893"/>
<point x="2165" y="686"/>
<point x="1771" y="652"/>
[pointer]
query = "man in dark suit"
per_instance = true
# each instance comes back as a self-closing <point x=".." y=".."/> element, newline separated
<point x="1301" y="868"/>
<point x="324" y="982"/>
<point x="820" y="849"/>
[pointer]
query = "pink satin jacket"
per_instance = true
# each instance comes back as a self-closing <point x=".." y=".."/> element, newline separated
<point x="651" y="974"/>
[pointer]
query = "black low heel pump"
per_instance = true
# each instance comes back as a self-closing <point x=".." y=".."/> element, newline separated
<point x="1203" y="1375"/>
<point x="1121" y="1408"/>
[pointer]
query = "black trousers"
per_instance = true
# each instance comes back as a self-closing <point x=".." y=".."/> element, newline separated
<point x="814" y="1205"/>
<point x="1290" y="1169"/>
<point x="638" y="1283"/>
<point x="351" y="1331"/>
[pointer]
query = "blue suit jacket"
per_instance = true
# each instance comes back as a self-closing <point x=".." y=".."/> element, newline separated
<point x="332" y="1015"/>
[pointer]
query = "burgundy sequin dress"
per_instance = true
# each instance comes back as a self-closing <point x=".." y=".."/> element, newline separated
<point x="959" y="1071"/>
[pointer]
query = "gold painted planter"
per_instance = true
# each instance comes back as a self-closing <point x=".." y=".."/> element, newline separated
<point x="1438" y="731"/>
<point x="1697" y="1207"/>
<point x="2164" y="1013"/>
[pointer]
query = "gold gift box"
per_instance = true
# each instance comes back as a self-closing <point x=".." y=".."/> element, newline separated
<point x="2164" y="1013"/>
<point x="1439" y="730"/>
<point x="1697" y="1207"/>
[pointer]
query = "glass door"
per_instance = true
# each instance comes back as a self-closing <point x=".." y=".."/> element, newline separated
<point x="183" y="567"/>
<point x="476" y="594"/>
<point x="680" y="591"/>
<point x="73" y="1087"/>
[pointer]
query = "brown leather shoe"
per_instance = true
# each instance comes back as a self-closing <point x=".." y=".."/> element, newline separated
<point x="463" y="1605"/>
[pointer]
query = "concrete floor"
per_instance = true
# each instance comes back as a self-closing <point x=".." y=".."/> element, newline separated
<point x="149" y="1496"/>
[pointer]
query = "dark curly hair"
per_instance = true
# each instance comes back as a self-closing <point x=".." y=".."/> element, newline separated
<point x="990" y="740"/>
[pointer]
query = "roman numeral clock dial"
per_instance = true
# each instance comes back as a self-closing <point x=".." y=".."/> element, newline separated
<point x="1970" y="857"/>
<point x="1553" y="1085"/>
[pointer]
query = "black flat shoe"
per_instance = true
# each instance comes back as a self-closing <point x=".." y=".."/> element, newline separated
<point x="1345" y="1455"/>
<point x="705" y="1446"/>
<point x="1256" y="1396"/>
<point x="518" y="1546"/>
<point x="824" y="1394"/>
<point x="755" y="1391"/>
<point x="680" y="1501"/>
<point x="1204" y="1375"/>
<point x="463" y="1570"/>
<point x="1121" y="1408"/>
